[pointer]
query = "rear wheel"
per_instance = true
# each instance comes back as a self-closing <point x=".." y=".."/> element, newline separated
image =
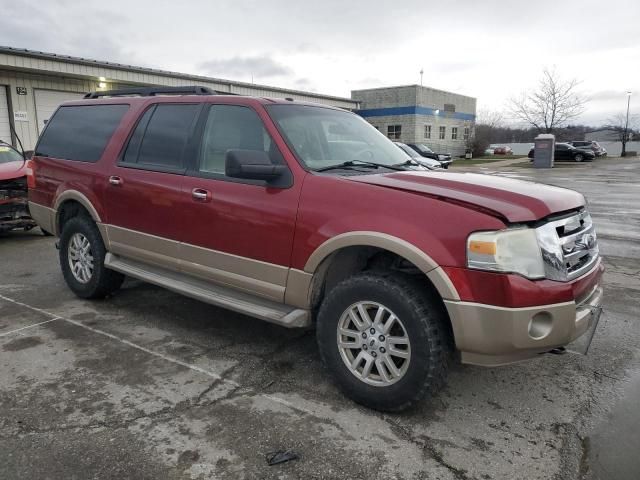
<point x="384" y="339"/>
<point x="82" y="254"/>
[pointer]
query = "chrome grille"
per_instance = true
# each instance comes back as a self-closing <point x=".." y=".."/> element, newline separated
<point x="569" y="246"/>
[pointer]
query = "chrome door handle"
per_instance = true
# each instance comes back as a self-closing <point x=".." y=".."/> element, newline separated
<point x="115" y="180"/>
<point x="201" y="194"/>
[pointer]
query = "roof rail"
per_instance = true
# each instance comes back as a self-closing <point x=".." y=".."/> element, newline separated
<point x="152" y="91"/>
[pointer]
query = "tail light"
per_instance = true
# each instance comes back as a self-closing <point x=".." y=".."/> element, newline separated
<point x="31" y="174"/>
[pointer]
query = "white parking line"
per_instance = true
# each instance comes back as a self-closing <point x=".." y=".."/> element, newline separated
<point x="168" y="358"/>
<point x="6" y="334"/>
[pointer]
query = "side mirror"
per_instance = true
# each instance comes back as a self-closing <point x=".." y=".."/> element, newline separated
<point x="253" y="165"/>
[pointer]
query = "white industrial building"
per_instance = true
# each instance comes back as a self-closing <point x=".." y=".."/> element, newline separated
<point x="33" y="84"/>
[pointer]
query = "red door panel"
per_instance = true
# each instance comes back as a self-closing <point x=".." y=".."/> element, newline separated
<point x="250" y="221"/>
<point x="146" y="201"/>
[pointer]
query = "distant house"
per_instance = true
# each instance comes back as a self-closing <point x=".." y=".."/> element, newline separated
<point x="605" y="135"/>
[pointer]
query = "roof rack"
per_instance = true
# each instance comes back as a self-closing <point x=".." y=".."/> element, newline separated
<point x="152" y="91"/>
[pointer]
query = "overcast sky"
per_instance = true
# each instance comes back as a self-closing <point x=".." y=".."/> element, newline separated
<point x="489" y="49"/>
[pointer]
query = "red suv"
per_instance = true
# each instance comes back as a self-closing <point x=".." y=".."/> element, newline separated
<point x="303" y="214"/>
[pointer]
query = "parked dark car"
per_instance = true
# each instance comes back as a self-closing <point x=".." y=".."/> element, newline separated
<point x="430" y="163"/>
<point x="564" y="151"/>
<point x="444" y="158"/>
<point x="14" y="210"/>
<point x="594" y="146"/>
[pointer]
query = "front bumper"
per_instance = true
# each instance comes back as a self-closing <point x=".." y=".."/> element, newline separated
<point x="15" y="215"/>
<point x="490" y="336"/>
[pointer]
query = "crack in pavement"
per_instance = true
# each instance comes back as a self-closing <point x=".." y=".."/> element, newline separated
<point x="426" y="443"/>
<point x="170" y="411"/>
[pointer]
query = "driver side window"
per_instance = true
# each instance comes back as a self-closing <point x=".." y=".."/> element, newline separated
<point x="233" y="127"/>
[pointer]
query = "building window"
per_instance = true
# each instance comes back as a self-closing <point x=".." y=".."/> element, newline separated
<point x="394" y="131"/>
<point x="443" y="133"/>
<point x="466" y="133"/>
<point x="449" y="107"/>
<point x="427" y="131"/>
<point x="454" y="133"/>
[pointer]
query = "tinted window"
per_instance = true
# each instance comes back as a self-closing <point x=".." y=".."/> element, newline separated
<point x="131" y="154"/>
<point x="231" y="127"/>
<point x="80" y="132"/>
<point x="561" y="146"/>
<point x="161" y="135"/>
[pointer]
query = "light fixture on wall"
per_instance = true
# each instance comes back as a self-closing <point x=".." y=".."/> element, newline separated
<point x="102" y="82"/>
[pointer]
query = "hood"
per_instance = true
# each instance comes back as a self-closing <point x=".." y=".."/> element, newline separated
<point x="513" y="200"/>
<point x="13" y="170"/>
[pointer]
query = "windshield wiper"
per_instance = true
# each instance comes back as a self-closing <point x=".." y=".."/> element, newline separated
<point x="359" y="163"/>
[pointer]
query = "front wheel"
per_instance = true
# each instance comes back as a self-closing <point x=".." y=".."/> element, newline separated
<point x="579" y="157"/>
<point x="384" y="339"/>
<point x="82" y="254"/>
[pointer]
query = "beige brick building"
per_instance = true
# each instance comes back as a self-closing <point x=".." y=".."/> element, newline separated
<point x="441" y="120"/>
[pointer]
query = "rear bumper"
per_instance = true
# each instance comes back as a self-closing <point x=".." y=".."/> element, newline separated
<point x="490" y="336"/>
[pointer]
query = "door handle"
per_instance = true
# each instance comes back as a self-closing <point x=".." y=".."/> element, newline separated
<point x="201" y="194"/>
<point x="115" y="180"/>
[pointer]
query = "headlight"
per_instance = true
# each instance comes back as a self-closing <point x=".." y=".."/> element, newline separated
<point x="513" y="250"/>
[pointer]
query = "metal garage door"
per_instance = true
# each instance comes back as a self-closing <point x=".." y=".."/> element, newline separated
<point x="5" y="131"/>
<point x="48" y="100"/>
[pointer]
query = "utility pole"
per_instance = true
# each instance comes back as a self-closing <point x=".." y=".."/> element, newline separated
<point x="626" y="128"/>
<point x="421" y="73"/>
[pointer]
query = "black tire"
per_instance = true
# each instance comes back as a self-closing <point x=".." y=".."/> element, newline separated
<point x="102" y="281"/>
<point x="578" y="157"/>
<point x="426" y="325"/>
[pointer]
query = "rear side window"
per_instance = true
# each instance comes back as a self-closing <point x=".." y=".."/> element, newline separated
<point x="161" y="136"/>
<point x="80" y="132"/>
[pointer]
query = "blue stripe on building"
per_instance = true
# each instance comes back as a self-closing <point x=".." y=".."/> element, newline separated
<point x="413" y="110"/>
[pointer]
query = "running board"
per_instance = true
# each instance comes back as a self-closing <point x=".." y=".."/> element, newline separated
<point x="219" y="296"/>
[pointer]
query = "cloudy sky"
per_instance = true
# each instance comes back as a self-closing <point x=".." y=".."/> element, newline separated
<point x="489" y="49"/>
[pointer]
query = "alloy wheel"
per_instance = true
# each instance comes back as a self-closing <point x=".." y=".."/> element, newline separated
<point x="80" y="258"/>
<point x="373" y="343"/>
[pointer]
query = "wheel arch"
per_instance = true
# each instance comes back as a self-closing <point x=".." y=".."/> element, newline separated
<point x="351" y="251"/>
<point x="71" y="203"/>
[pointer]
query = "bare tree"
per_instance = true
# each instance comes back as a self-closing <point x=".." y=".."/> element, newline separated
<point x="551" y="105"/>
<point x="623" y="129"/>
<point x="490" y="118"/>
<point x="487" y="121"/>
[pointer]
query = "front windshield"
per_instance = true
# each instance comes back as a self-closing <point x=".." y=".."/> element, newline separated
<point x="322" y="137"/>
<point x="408" y="150"/>
<point x="423" y="148"/>
<point x="8" y="154"/>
